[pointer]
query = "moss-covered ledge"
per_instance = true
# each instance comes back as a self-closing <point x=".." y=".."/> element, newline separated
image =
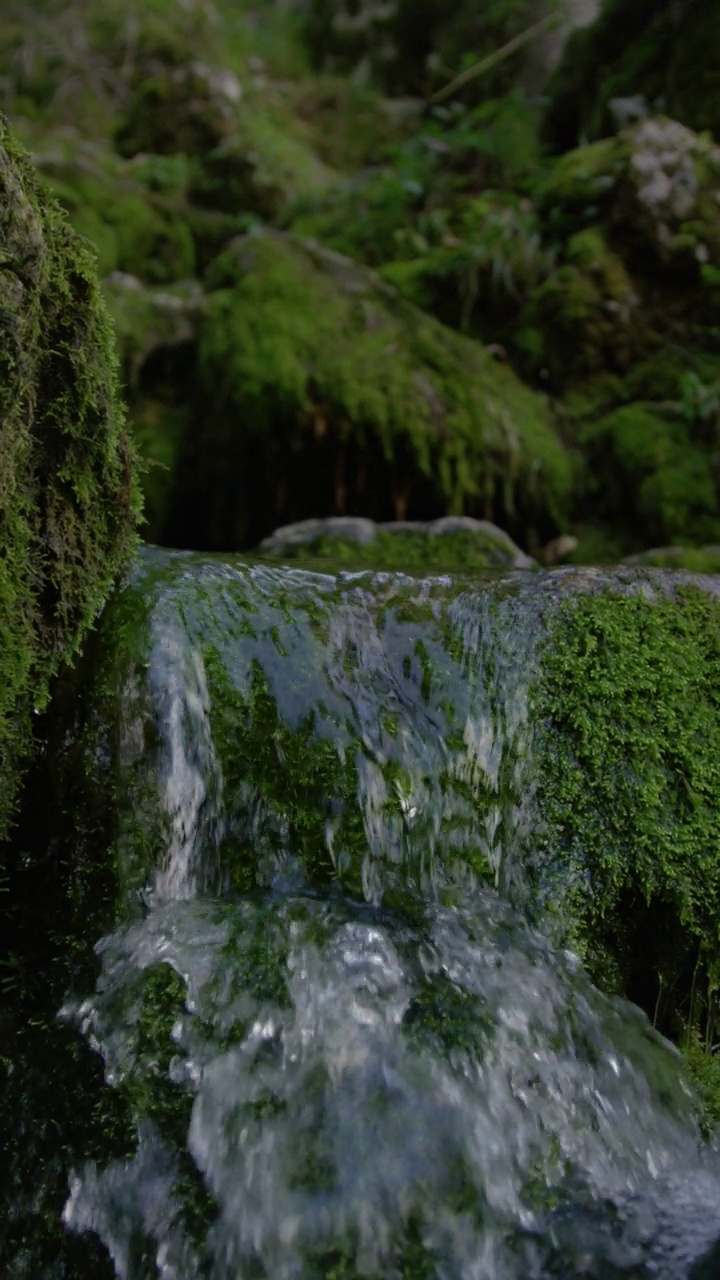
<point x="69" y="501"/>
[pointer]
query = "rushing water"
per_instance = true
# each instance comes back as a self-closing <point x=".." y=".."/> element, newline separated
<point x="332" y="1043"/>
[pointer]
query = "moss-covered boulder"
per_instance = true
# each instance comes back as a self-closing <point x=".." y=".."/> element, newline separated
<point x="655" y="185"/>
<point x="451" y="544"/>
<point x="661" y="50"/>
<point x="321" y="391"/>
<point x="652" y="473"/>
<point x="623" y="328"/>
<point x="68" y="496"/>
<point x="132" y="214"/>
<point x="240" y="159"/>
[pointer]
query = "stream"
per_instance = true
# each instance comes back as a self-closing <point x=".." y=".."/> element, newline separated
<point x="296" y="1009"/>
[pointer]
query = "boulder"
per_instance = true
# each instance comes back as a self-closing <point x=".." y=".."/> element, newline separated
<point x="322" y="391"/>
<point x="655" y="184"/>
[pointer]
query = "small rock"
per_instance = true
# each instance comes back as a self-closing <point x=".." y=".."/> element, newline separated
<point x="559" y="548"/>
<point x="290" y="536"/>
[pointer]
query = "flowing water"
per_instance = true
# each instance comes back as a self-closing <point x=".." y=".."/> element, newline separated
<point x="330" y="1033"/>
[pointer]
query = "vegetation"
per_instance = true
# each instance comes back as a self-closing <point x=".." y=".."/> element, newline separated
<point x="68" y="496"/>
<point x="591" y="274"/>
<point x="628" y="745"/>
<point x="333" y="293"/>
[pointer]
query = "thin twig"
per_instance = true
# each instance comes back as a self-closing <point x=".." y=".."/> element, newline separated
<point x="493" y="58"/>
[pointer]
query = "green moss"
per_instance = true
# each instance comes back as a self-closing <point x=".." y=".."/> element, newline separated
<point x="692" y="559"/>
<point x="68" y="496"/>
<point x="132" y="228"/>
<point x="411" y="552"/>
<point x="628" y="745"/>
<point x="582" y="317"/>
<point x="310" y="360"/>
<point x="648" y="474"/>
<point x="580" y="185"/>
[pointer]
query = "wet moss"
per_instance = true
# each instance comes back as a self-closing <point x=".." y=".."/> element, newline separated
<point x="68" y="498"/>
<point x="628" y="743"/>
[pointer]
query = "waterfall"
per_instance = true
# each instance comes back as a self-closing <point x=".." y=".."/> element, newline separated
<point x="333" y="1008"/>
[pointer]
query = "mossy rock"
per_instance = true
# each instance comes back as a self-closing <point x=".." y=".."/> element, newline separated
<point x="635" y="223"/>
<point x="68" y="499"/>
<point x="656" y="183"/>
<point x="134" y="226"/>
<point x="243" y="161"/>
<point x="453" y="544"/>
<point x="322" y="390"/>
<point x="695" y="559"/>
<point x="583" y="318"/>
<point x="649" y="475"/>
<point x="628" y="725"/>
<point x="663" y="51"/>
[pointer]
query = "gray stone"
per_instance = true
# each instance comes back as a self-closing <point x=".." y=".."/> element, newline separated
<point x="351" y="528"/>
<point x="505" y="552"/>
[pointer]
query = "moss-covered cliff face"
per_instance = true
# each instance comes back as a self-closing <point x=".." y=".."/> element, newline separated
<point x="660" y="50"/>
<point x="68" y="495"/>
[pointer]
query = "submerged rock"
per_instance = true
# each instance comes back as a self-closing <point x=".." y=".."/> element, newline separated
<point x="68" y="495"/>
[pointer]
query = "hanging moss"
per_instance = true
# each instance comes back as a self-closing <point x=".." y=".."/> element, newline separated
<point x="68" y="495"/>
<point x="325" y="391"/>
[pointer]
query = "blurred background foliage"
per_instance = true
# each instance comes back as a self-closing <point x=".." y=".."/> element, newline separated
<point x="501" y="300"/>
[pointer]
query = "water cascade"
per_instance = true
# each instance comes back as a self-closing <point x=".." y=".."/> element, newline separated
<point x="336" y="1028"/>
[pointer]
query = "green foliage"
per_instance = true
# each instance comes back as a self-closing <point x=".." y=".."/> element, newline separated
<point x="489" y="261"/>
<point x="663" y="51"/>
<point x="424" y="197"/>
<point x="646" y="472"/>
<point x="68" y="496"/>
<point x="628" y="717"/>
